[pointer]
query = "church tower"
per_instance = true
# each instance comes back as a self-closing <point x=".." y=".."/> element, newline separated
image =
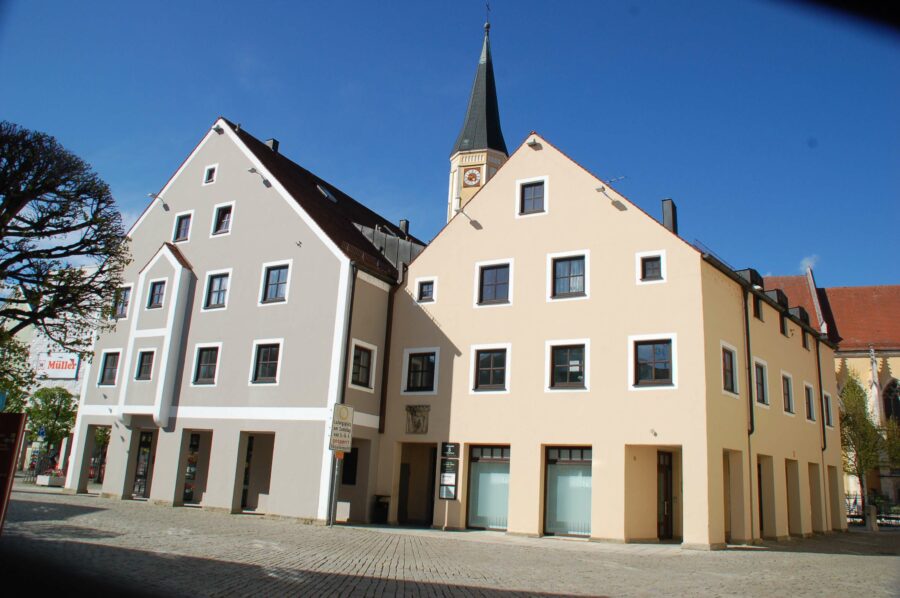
<point x="480" y="149"/>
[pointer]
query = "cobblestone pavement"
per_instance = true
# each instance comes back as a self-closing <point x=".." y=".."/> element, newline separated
<point x="144" y="549"/>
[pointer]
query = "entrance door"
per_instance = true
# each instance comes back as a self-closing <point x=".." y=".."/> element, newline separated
<point x="246" y="486"/>
<point x="664" y="495"/>
<point x="142" y="469"/>
<point x="190" y="471"/>
<point x="418" y="468"/>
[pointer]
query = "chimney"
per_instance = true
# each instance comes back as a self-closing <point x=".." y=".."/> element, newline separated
<point x="670" y="215"/>
<point x="272" y="144"/>
<point x="404" y="226"/>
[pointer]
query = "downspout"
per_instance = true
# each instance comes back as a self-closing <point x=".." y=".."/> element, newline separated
<point x="332" y="491"/>
<point x="748" y="359"/>
<point x="385" y="363"/>
<point x="826" y="513"/>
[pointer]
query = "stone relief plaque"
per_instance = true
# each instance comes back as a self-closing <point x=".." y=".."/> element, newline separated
<point x="417" y="419"/>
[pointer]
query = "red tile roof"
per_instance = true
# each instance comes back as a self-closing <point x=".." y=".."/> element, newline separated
<point x="861" y="317"/>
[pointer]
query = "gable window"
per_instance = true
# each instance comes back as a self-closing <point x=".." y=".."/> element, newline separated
<point x="568" y="277"/>
<point x="651" y="268"/>
<point x="420" y="372"/>
<point x="491" y="369"/>
<point x="810" y="403"/>
<point x="265" y="365"/>
<point x="494" y="284"/>
<point x="222" y="220"/>
<point x="209" y="175"/>
<point x="275" y="284"/>
<point x="653" y="363"/>
<point x="182" y="228"/>
<point x="157" y="293"/>
<point x="144" y="366"/>
<point x="216" y="291"/>
<point x="362" y="367"/>
<point x="762" y="395"/>
<point x="426" y="291"/>
<point x="568" y="369"/>
<point x="827" y="413"/>
<point x="729" y="383"/>
<point x="109" y="369"/>
<point x="532" y="198"/>
<point x="787" y="393"/>
<point x="757" y="308"/>
<point x="123" y="298"/>
<point x="207" y="360"/>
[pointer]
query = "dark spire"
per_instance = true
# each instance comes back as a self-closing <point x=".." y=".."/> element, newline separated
<point x="481" y="129"/>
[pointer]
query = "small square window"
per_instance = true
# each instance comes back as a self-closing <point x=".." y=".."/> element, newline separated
<point x="362" y="367"/>
<point x="426" y="291"/>
<point x="209" y="175"/>
<point x="109" y="369"/>
<point x="222" y="220"/>
<point x="207" y="360"/>
<point x="787" y="393"/>
<point x="728" y="373"/>
<point x="145" y="365"/>
<point x="157" y="293"/>
<point x="490" y="373"/>
<point x="651" y="268"/>
<point x="567" y="367"/>
<point x="182" y="228"/>
<point x="494" y="284"/>
<point x="762" y="394"/>
<point x="569" y="277"/>
<point x="123" y="298"/>
<point x="275" y="282"/>
<point x="216" y="291"/>
<point x="653" y="363"/>
<point x="532" y="198"/>
<point x="420" y="372"/>
<point x="265" y="369"/>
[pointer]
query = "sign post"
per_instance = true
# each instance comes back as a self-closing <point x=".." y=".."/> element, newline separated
<point x="341" y="442"/>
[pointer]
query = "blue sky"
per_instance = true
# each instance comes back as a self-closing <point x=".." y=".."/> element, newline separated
<point x="774" y="126"/>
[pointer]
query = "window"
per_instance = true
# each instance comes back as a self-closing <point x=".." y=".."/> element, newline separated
<point x="207" y="359"/>
<point x="209" y="175"/>
<point x="362" y="367"/>
<point x="805" y="340"/>
<point x="787" y="393"/>
<point x="757" y="308"/>
<point x="426" y="291"/>
<point x="568" y="277"/>
<point x="729" y="382"/>
<point x="265" y="367"/>
<point x="275" y="284"/>
<point x="762" y="396"/>
<point x="349" y="467"/>
<point x="145" y="365"/>
<point x="182" y="228"/>
<point x="782" y="325"/>
<point x="810" y="403"/>
<point x="123" y="298"/>
<point x="653" y="360"/>
<point x="827" y="413"/>
<point x="222" y="220"/>
<point x="532" y="198"/>
<point x="491" y="369"/>
<point x="216" y="291"/>
<point x="109" y="369"/>
<point x="567" y="367"/>
<point x="420" y="372"/>
<point x="651" y="268"/>
<point x="494" y="284"/>
<point x="157" y="293"/>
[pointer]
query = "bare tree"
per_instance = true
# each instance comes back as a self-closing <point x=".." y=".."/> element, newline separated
<point x="62" y="244"/>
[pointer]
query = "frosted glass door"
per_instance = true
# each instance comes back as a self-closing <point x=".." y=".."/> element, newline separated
<point x="568" y="499"/>
<point x="488" y="494"/>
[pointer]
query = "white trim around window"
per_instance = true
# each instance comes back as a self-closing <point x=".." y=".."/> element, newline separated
<point x="215" y="175"/>
<point x="137" y="365"/>
<point x="209" y="275"/>
<point x="548" y="364"/>
<point x="473" y="368"/>
<point x="790" y="378"/>
<point x="768" y="403"/>
<point x="517" y="205"/>
<point x="662" y="336"/>
<point x="551" y="257"/>
<point x="266" y="341"/>
<point x="405" y="372"/>
<point x="103" y="354"/>
<point x="190" y="214"/>
<point x="478" y="266"/>
<point x="196" y="362"/>
<point x="262" y="282"/>
<point x="735" y="369"/>
<point x="372" y="365"/>
<point x="149" y="288"/>
<point x="639" y="256"/>
<point x="813" y="396"/>
<point x="130" y="287"/>
<point x="212" y="228"/>
<point x="434" y="288"/>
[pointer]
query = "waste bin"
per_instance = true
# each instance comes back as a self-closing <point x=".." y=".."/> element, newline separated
<point x="380" y="508"/>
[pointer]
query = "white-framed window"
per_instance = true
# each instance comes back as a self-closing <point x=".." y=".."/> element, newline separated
<point x="761" y="382"/>
<point x="567" y="365"/>
<point x="363" y="360"/>
<point x="205" y="371"/>
<point x="216" y="290"/>
<point x="209" y="174"/>
<point x="421" y="370"/>
<point x="532" y="197"/>
<point x="223" y="217"/>
<point x="489" y="369"/>
<point x="108" y="374"/>
<point x="181" y="229"/>
<point x="653" y="361"/>
<point x="122" y="302"/>
<point x="265" y="361"/>
<point x="809" y="398"/>
<point x="650" y="267"/>
<point x="143" y="371"/>
<point x="426" y="289"/>
<point x="494" y="283"/>
<point x="568" y="275"/>
<point x="730" y="371"/>
<point x="156" y="293"/>
<point x="275" y="282"/>
<point x="787" y="392"/>
<point x="827" y="414"/>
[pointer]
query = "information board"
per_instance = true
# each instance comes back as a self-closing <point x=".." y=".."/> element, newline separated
<point x="342" y="429"/>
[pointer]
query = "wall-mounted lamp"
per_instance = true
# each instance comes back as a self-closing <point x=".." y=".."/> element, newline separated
<point x="533" y="143"/>
<point x="252" y="170"/>
<point x="218" y="129"/>
<point x="155" y="196"/>
<point x="612" y="200"/>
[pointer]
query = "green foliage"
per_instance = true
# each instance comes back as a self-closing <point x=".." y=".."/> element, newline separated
<point x="892" y="443"/>
<point x="16" y="375"/>
<point x="861" y="440"/>
<point x="101" y="436"/>
<point x="55" y="409"/>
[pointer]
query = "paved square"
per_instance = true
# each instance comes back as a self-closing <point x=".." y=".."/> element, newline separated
<point x="153" y="550"/>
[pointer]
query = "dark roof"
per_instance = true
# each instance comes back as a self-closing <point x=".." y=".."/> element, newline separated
<point x="860" y="317"/>
<point x="481" y="129"/>
<point x="339" y="219"/>
<point x="799" y="293"/>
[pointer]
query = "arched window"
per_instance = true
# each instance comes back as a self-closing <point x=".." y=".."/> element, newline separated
<point x="891" y="397"/>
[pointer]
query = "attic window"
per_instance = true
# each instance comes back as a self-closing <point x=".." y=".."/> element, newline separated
<point x="328" y="194"/>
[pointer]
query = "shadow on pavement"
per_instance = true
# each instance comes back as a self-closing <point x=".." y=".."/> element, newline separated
<point x="24" y="511"/>
<point x="854" y="542"/>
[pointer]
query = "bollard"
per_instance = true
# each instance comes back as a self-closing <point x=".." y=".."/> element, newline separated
<point x="871" y="518"/>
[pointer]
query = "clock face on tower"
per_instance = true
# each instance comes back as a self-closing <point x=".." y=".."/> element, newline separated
<point x="472" y="177"/>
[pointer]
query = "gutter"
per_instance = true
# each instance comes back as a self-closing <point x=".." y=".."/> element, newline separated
<point x="385" y="363"/>
<point x="821" y="398"/>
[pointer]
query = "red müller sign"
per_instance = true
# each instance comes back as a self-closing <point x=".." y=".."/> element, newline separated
<point x="12" y="426"/>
